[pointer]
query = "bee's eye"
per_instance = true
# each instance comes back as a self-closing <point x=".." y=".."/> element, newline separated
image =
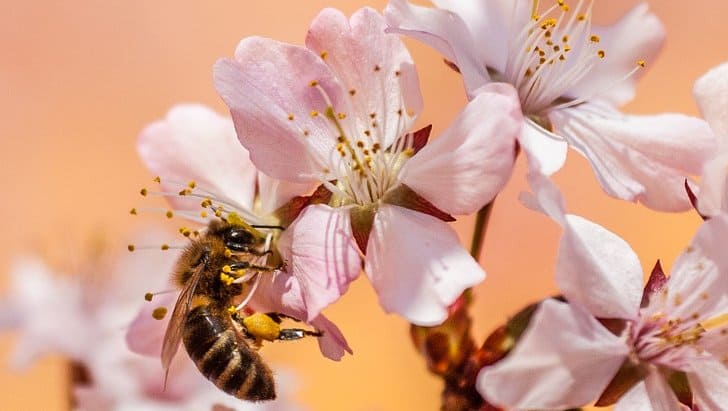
<point x="239" y="239"/>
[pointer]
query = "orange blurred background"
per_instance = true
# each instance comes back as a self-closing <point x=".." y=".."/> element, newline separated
<point x="81" y="80"/>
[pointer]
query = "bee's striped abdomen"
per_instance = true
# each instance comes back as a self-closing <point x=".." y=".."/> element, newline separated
<point x="214" y="346"/>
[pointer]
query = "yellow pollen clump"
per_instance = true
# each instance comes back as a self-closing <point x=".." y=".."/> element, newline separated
<point x="203" y="214"/>
<point x="594" y="38"/>
<point x="185" y="231"/>
<point x="581" y="17"/>
<point x="313" y="83"/>
<point x="148" y="296"/>
<point x="133" y="211"/>
<point x="324" y="54"/>
<point x="226" y="269"/>
<point x="226" y="279"/>
<point x="164" y="247"/>
<point x="130" y="247"/>
<point x="641" y="63"/>
<point x="314" y="113"/>
<point x="169" y="214"/>
<point x="143" y="191"/>
<point x="192" y="184"/>
<point x="228" y="253"/>
<point x="715" y="322"/>
<point x="232" y="309"/>
<point x="409" y="152"/>
<point x="218" y="213"/>
<point x="601" y="54"/>
<point x="157" y="179"/>
<point x="185" y="192"/>
<point x="206" y="203"/>
<point x="341" y="116"/>
<point x="159" y="313"/>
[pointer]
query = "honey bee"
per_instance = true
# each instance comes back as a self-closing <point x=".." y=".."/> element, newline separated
<point x="214" y="272"/>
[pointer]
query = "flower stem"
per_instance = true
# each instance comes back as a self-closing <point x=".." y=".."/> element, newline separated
<point x="481" y="225"/>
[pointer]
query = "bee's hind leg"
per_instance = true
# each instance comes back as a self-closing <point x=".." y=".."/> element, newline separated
<point x="288" y="334"/>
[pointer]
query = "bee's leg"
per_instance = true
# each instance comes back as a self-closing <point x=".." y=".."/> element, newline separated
<point x="243" y="265"/>
<point x="279" y="317"/>
<point x="288" y="334"/>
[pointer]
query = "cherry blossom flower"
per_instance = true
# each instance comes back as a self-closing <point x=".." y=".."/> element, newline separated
<point x="677" y="326"/>
<point x="338" y="113"/>
<point x="86" y="323"/>
<point x="205" y="173"/>
<point x="570" y="76"/>
<point x="711" y="93"/>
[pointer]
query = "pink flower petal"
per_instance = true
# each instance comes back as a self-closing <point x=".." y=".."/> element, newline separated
<point x="711" y="93"/>
<point x="444" y="31"/>
<point x="564" y="359"/>
<point x="710" y="384"/>
<point x="595" y="268"/>
<point x="278" y="114"/>
<point x="638" y="35"/>
<point x="281" y="293"/>
<point x="662" y="398"/>
<point x="472" y="160"/>
<point x="639" y="158"/>
<point x="713" y="195"/>
<point x="635" y="399"/>
<point x="320" y="252"/>
<point x="195" y="143"/>
<point x="417" y="265"/>
<point x="145" y="334"/>
<point x="376" y="65"/>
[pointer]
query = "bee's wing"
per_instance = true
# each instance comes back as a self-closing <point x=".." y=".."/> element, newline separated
<point x="173" y="335"/>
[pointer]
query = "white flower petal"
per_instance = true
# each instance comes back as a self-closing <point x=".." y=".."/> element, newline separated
<point x="417" y="265"/>
<point x="194" y="143"/>
<point x="635" y="399"/>
<point x="564" y="359"/>
<point x="598" y="270"/>
<point x="471" y="161"/>
<point x="545" y="154"/>
<point x="639" y="158"/>
<point x="710" y="385"/>
<point x="713" y="195"/>
<point x="444" y="31"/>
<point x="638" y="35"/>
<point x="660" y="394"/>
<point x="711" y="93"/>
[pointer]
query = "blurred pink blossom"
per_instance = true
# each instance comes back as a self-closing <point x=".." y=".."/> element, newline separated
<point x="567" y="356"/>
<point x="570" y="76"/>
<point x="339" y="112"/>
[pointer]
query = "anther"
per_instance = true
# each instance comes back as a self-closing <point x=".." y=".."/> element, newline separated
<point x="169" y="214"/>
<point x="601" y="54"/>
<point x="352" y="92"/>
<point x="130" y="247"/>
<point x="192" y="184"/>
<point x="594" y="38"/>
<point x="341" y="116"/>
<point x="157" y="179"/>
<point x="226" y="269"/>
<point x="164" y="247"/>
<point x="397" y="73"/>
<point x="641" y="63"/>
<point x="203" y="214"/>
<point x="206" y="203"/>
<point x="291" y="117"/>
<point x="377" y="68"/>
<point x="228" y="253"/>
<point x="143" y="192"/>
<point x="133" y="211"/>
<point x="159" y="313"/>
<point x="323" y="55"/>
<point x="314" y="113"/>
<point x="313" y="83"/>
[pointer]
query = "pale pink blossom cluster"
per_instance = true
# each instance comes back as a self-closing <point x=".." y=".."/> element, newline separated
<point x="322" y="144"/>
<point x="321" y="150"/>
